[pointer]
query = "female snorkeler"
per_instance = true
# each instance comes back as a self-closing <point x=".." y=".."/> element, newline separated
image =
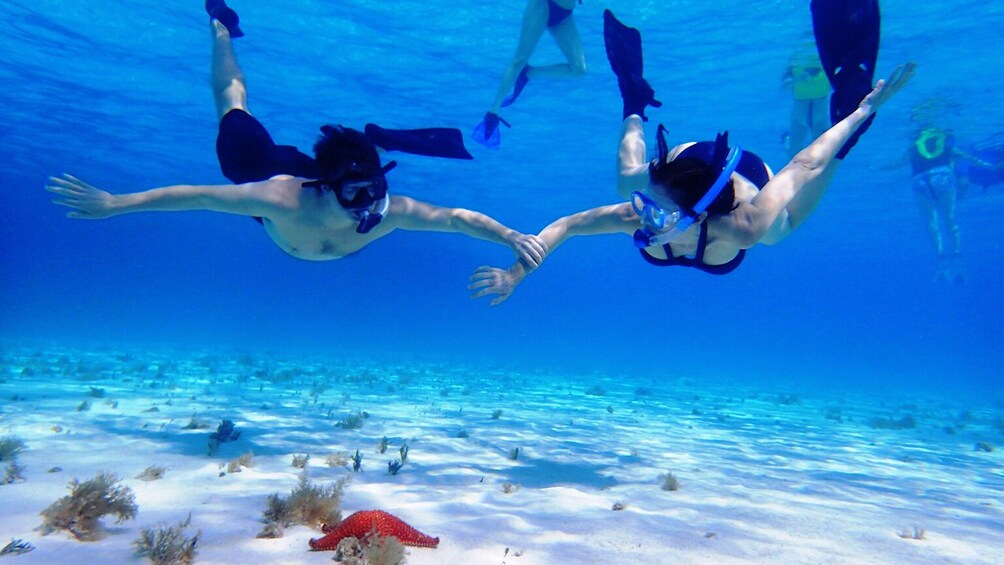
<point x="554" y="16"/>
<point x="701" y="205"/>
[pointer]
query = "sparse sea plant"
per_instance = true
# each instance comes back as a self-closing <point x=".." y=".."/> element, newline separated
<point x="404" y="451"/>
<point x="245" y="460"/>
<point x="84" y="406"/>
<point x="340" y="459"/>
<point x="168" y="545"/>
<point x="496" y="414"/>
<point x="80" y="511"/>
<point x="196" y="423"/>
<point x="307" y="504"/>
<point x="984" y="446"/>
<point x="16" y="547"/>
<point x="382" y="445"/>
<point x="669" y="482"/>
<point x="509" y="488"/>
<point x="271" y="530"/>
<point x="514" y="454"/>
<point x="300" y="461"/>
<point x="96" y="392"/>
<point x="915" y="532"/>
<point x="788" y="399"/>
<point x="905" y="423"/>
<point x="394" y="466"/>
<point x="152" y="473"/>
<point x="351" y="422"/>
<point x="596" y="390"/>
<point x="225" y="432"/>
<point x="372" y="550"/>
<point x="357" y="462"/>
<point x="13" y="473"/>
<point x="11" y="447"/>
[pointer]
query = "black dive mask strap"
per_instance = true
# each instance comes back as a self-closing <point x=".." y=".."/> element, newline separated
<point x="661" y="143"/>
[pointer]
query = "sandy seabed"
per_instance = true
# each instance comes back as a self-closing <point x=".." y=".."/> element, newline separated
<point x="764" y="475"/>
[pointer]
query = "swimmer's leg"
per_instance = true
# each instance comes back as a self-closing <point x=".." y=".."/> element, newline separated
<point x="516" y="74"/>
<point x="926" y="204"/>
<point x="945" y="186"/>
<point x="534" y="24"/>
<point x="227" y="78"/>
<point x="566" y="35"/>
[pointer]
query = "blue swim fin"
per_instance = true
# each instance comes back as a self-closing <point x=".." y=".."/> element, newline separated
<point x="431" y="142"/>
<point x="517" y="89"/>
<point x="487" y="132"/>
<point x="623" y="45"/>
<point x="847" y="36"/>
<point x="218" y="10"/>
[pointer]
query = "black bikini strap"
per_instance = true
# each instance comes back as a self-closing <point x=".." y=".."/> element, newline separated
<point x="702" y="242"/>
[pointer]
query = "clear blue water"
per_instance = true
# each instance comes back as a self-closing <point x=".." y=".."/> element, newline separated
<point x="117" y="93"/>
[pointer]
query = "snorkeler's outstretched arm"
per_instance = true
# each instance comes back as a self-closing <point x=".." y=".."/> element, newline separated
<point x="410" y="214"/>
<point x="632" y="168"/>
<point x="800" y="185"/>
<point x="616" y="218"/>
<point x="91" y="202"/>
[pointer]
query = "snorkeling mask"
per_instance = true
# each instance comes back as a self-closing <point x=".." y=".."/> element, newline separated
<point x="654" y="219"/>
<point x="364" y="196"/>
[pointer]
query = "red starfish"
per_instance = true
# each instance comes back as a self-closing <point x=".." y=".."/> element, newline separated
<point x="361" y="524"/>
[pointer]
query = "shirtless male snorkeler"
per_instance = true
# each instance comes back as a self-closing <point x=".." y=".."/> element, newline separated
<point x="316" y="209"/>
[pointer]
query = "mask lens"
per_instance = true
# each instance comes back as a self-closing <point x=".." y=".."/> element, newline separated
<point x="351" y="189"/>
<point x="650" y="213"/>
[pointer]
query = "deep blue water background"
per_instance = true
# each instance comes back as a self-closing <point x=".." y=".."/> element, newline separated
<point x="117" y="93"/>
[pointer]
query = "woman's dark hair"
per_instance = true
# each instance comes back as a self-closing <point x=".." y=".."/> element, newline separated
<point x="686" y="180"/>
<point x="345" y="153"/>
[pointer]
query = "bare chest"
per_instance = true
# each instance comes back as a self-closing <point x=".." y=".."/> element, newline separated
<point x="316" y="242"/>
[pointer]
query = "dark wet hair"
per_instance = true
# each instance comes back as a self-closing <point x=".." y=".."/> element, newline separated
<point x="345" y="153"/>
<point x="686" y="180"/>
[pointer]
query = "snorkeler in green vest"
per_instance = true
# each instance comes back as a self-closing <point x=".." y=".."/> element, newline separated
<point x="810" y="91"/>
<point x="938" y="183"/>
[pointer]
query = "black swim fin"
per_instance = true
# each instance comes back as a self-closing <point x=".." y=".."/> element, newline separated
<point x="624" y="52"/>
<point x="218" y="10"/>
<point x="431" y="142"/>
<point x="847" y="36"/>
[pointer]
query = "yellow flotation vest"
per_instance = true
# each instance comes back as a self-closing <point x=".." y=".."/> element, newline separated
<point x="810" y="82"/>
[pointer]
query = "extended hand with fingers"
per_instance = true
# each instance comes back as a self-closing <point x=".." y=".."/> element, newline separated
<point x="886" y="89"/>
<point x="491" y="280"/>
<point x="89" y="202"/>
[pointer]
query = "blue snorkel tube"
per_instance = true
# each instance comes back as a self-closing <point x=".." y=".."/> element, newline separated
<point x="652" y="233"/>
